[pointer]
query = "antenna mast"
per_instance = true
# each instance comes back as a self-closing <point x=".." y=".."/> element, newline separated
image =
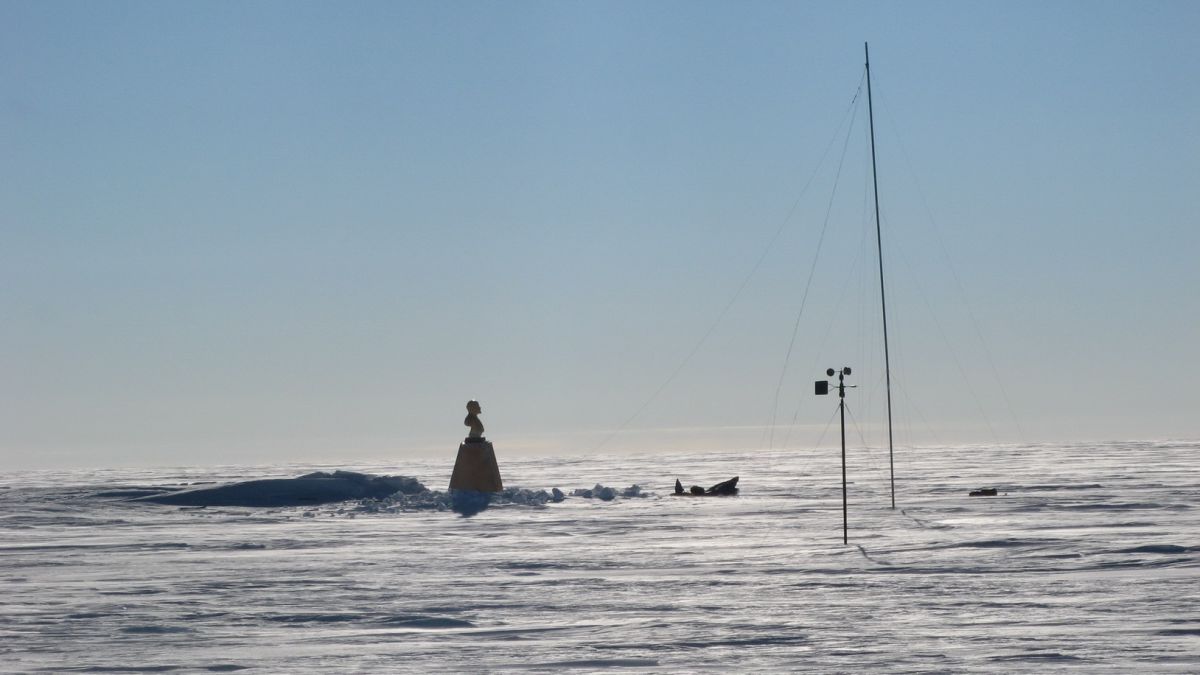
<point x="882" y="295"/>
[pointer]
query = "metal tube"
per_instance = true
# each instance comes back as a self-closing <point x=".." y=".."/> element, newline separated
<point x="842" y="412"/>
<point x="882" y="295"/>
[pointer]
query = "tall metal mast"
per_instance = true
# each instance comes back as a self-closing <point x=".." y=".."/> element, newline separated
<point x="882" y="295"/>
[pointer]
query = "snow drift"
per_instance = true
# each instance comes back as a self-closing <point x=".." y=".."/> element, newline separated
<point x="314" y="488"/>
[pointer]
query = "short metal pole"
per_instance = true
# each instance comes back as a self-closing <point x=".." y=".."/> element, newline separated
<point x="842" y="411"/>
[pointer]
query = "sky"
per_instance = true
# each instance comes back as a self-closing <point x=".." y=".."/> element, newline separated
<point x="311" y="231"/>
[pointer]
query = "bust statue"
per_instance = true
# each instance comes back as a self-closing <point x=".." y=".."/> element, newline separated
<point x="472" y="420"/>
<point x="475" y="468"/>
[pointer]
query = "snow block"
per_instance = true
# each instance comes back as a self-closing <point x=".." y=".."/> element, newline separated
<point x="476" y="468"/>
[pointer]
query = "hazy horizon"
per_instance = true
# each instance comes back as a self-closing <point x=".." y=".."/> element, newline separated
<point x="270" y="232"/>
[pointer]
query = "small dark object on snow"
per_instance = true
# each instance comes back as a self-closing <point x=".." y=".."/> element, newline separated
<point x="983" y="492"/>
<point x="724" y="489"/>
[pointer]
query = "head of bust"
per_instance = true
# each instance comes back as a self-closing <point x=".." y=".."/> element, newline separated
<point x="473" y="407"/>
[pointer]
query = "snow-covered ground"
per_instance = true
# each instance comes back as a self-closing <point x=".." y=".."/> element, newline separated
<point x="1088" y="560"/>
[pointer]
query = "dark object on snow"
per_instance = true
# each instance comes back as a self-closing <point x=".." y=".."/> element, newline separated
<point x="314" y="488"/>
<point x="475" y="468"/>
<point x="983" y="492"/>
<point x="724" y="489"/>
<point x="727" y="488"/>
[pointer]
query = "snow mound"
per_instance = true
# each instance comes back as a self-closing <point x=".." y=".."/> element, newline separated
<point x="374" y="494"/>
<point x="314" y="488"/>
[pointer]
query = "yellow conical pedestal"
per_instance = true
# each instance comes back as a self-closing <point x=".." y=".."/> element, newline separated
<point x="476" y="467"/>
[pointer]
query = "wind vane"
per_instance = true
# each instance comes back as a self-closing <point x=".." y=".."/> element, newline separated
<point x="822" y="388"/>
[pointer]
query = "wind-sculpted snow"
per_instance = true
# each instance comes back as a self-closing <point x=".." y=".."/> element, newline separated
<point x="456" y="500"/>
<point x="1086" y="561"/>
<point x="605" y="493"/>
<point x="470" y="503"/>
<point x="377" y="493"/>
<point x="314" y="488"/>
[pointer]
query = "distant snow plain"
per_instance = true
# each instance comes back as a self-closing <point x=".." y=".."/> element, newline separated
<point x="1088" y="560"/>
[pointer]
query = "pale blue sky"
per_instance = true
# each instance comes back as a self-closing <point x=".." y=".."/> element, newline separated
<point x="236" y="232"/>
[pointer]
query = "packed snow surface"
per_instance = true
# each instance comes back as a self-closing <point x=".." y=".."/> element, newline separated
<point x="1087" y="560"/>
